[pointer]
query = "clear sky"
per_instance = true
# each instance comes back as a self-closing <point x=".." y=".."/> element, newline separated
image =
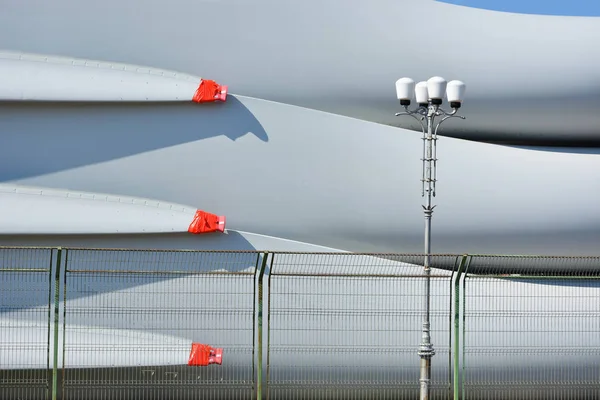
<point x="582" y="8"/>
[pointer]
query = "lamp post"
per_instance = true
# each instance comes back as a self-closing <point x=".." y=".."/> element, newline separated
<point x="429" y="96"/>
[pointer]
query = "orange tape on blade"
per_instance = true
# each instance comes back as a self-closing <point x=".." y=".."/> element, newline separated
<point x="202" y="355"/>
<point x="210" y="91"/>
<point x="206" y="222"/>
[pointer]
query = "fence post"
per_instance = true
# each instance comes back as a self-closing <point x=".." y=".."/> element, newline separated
<point x="457" y="377"/>
<point x="464" y="325"/>
<point x="260" y="326"/>
<point x="50" y="301"/>
<point x="56" y="304"/>
<point x="271" y="265"/>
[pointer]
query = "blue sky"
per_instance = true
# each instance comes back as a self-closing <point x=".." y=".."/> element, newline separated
<point x="547" y="7"/>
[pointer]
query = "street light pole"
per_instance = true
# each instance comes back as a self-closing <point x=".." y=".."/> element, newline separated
<point x="429" y="97"/>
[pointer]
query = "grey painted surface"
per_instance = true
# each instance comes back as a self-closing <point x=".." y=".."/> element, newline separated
<point x="47" y="78"/>
<point x="39" y="211"/>
<point x="310" y="176"/>
<point x="214" y="241"/>
<point x="327" y="55"/>
<point x="106" y="341"/>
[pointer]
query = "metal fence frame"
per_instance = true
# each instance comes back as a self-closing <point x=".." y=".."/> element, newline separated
<point x="322" y="264"/>
<point x="30" y="384"/>
<point x="476" y="270"/>
<point x="464" y="271"/>
<point x="58" y="273"/>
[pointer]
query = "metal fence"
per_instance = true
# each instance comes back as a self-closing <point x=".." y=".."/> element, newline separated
<point x="135" y="315"/>
<point x="120" y="324"/>
<point x="83" y="323"/>
<point x="531" y="327"/>
<point x="26" y="300"/>
<point x="348" y="325"/>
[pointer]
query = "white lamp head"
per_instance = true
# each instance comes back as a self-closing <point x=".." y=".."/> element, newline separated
<point x="436" y="87"/>
<point x="421" y="93"/>
<point x="456" y="93"/>
<point x="405" y="88"/>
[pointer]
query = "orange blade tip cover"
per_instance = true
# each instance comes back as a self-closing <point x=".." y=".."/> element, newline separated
<point x="204" y="222"/>
<point x="202" y="355"/>
<point x="210" y="91"/>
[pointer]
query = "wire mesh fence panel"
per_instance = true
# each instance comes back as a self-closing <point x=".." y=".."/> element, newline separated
<point x="26" y="298"/>
<point x="532" y="334"/>
<point x="349" y="326"/>
<point x="150" y="324"/>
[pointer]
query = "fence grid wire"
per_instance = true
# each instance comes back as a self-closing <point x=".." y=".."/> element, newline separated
<point x="26" y="301"/>
<point x="348" y="326"/>
<point x="131" y="318"/>
<point x="541" y="329"/>
<point x="111" y="324"/>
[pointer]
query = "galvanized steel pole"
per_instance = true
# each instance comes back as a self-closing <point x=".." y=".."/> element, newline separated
<point x="427" y="110"/>
<point x="426" y="351"/>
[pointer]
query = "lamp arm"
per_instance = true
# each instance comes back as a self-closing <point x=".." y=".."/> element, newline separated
<point x="412" y="114"/>
<point x="447" y="116"/>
